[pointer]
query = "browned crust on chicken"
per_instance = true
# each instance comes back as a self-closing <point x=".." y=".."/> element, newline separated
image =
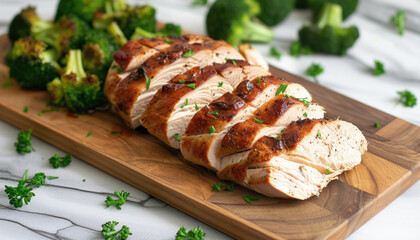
<point x="240" y="136"/>
<point x="158" y="111"/>
<point x="160" y="43"/>
<point x="249" y="90"/>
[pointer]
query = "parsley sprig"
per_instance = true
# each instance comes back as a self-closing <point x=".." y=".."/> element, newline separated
<point x="399" y="21"/>
<point x="314" y="70"/>
<point x="379" y="68"/>
<point x="109" y="232"/>
<point x="122" y="197"/>
<point x="407" y="98"/>
<point x="275" y="53"/>
<point x="21" y="193"/>
<point x="24" y="144"/>
<point x="194" y="234"/>
<point x="57" y="161"/>
<point x="296" y="49"/>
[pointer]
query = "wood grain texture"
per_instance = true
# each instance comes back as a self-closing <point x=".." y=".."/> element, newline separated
<point x="388" y="169"/>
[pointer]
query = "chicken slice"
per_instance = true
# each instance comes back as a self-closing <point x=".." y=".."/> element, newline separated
<point x="252" y="56"/>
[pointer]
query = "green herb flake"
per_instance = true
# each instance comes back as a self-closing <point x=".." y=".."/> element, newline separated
<point x="281" y="89"/>
<point x="305" y="115"/>
<point x="399" y="21"/>
<point x="258" y="120"/>
<point x="168" y="41"/>
<point x="275" y="53"/>
<point x="199" y="3"/>
<point x="56" y="161"/>
<point x="281" y="133"/>
<point x="120" y="70"/>
<point x="110" y="233"/>
<point x="296" y="49"/>
<point x="186" y="103"/>
<point x="407" y="98"/>
<point x="52" y="177"/>
<point x="115" y="132"/>
<point x="181" y="81"/>
<point x="304" y="100"/>
<point x="189" y="53"/>
<point x="89" y="134"/>
<point x="259" y="80"/>
<point x="379" y="68"/>
<point x="220" y="84"/>
<point x="196" y="107"/>
<point x="24" y="142"/>
<point x="122" y="197"/>
<point x="21" y="193"/>
<point x="232" y="60"/>
<point x="230" y="187"/>
<point x="147" y="81"/>
<point x="38" y="179"/>
<point x="176" y="135"/>
<point x="194" y="234"/>
<point x="212" y="130"/>
<point x="25" y="109"/>
<point x="84" y="180"/>
<point x="377" y="125"/>
<point x="314" y="70"/>
<point x="39" y="114"/>
<point x="7" y="84"/>
<point x="217" y="187"/>
<point x="213" y="113"/>
<point x="191" y="85"/>
<point x="328" y="171"/>
<point x="50" y="110"/>
<point x="250" y="199"/>
<point x="318" y="135"/>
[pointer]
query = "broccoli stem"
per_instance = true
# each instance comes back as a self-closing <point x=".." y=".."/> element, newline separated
<point x="75" y="64"/>
<point x="50" y="56"/>
<point x="117" y="33"/>
<point x="140" y="33"/>
<point x="257" y="32"/>
<point x="41" y="25"/>
<point x="331" y="14"/>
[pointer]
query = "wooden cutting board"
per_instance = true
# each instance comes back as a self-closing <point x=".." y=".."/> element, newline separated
<point x="390" y="166"/>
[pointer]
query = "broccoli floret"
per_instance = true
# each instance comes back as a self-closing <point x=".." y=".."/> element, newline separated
<point x="231" y="20"/>
<point x="97" y="53"/>
<point x="327" y="36"/>
<point x="274" y="11"/>
<point x="112" y="10"/>
<point x="84" y="9"/>
<point x="169" y="29"/>
<point x="348" y="6"/>
<point x="27" y="23"/>
<point x="302" y="4"/>
<point x="31" y="64"/>
<point x="81" y="91"/>
<point x="137" y="17"/>
<point x="55" y="89"/>
<point x="117" y="33"/>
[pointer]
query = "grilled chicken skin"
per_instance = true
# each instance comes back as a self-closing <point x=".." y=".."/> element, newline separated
<point x="307" y="156"/>
<point x="130" y="93"/>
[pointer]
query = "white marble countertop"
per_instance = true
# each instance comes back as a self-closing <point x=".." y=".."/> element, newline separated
<point x="68" y="208"/>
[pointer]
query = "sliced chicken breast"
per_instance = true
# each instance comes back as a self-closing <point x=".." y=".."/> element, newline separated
<point x="252" y="56"/>
<point x="130" y="95"/>
<point x="207" y="128"/>
<point x="275" y="114"/>
<point x="326" y="147"/>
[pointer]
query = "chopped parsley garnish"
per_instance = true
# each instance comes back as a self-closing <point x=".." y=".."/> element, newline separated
<point x="115" y="132"/>
<point x="168" y="41"/>
<point x="52" y="177"/>
<point x="318" y="135"/>
<point x="24" y="144"/>
<point x="84" y="180"/>
<point x="314" y="70"/>
<point x="379" y="68"/>
<point x="186" y="103"/>
<point x="191" y="85"/>
<point x="181" y="81"/>
<point x="258" y="120"/>
<point x="407" y="98"/>
<point x="189" y="53"/>
<point x="296" y="49"/>
<point x="259" y="80"/>
<point x="328" y="171"/>
<point x="122" y="197"/>
<point x="25" y="109"/>
<point x="213" y="113"/>
<point x="21" y="193"/>
<point x="275" y="53"/>
<point x="176" y="135"/>
<point x="56" y="161"/>
<point x="196" y="107"/>
<point x="194" y="234"/>
<point x="199" y="3"/>
<point x="88" y="134"/>
<point x="305" y="115"/>
<point x="147" y="81"/>
<point x="399" y="21"/>
<point x="38" y="179"/>
<point x="377" y="124"/>
<point x="250" y="199"/>
<point x="7" y="84"/>
<point x="218" y="186"/>
<point x="301" y="99"/>
<point x="281" y="89"/>
<point x="120" y="70"/>
<point x="230" y="187"/>
<point x="212" y="130"/>
<point x="220" y="84"/>
<point x="109" y="232"/>
<point x="233" y="61"/>
<point x="281" y="133"/>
